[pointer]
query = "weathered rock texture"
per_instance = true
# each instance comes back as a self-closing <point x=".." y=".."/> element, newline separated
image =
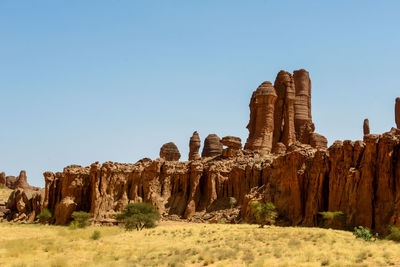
<point x="170" y="152"/>
<point x="234" y="146"/>
<point x="302" y="178"/>
<point x="359" y="178"/>
<point x="24" y="204"/>
<point x="366" y="127"/>
<point x="397" y="112"/>
<point x="281" y="114"/>
<point x="212" y="146"/>
<point x="261" y="125"/>
<point x="194" y="146"/>
<point x="13" y="182"/>
<point x="3" y="180"/>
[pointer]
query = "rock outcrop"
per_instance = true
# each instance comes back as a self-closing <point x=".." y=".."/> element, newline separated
<point x="397" y="112"/>
<point x="261" y="125"/>
<point x="194" y="146"/>
<point x="358" y="178"/>
<point x="13" y="182"/>
<point x="24" y="204"/>
<point x="212" y="146"/>
<point x="170" y="152"/>
<point x="301" y="176"/>
<point x="233" y="144"/>
<point x="3" y="180"/>
<point x="366" y="127"/>
<point x="289" y="100"/>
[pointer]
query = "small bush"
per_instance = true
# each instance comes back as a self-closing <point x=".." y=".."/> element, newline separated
<point x="139" y="216"/>
<point x="73" y="225"/>
<point x="44" y="216"/>
<point x="394" y="234"/>
<point x="265" y="213"/>
<point x="81" y="218"/>
<point x="96" y="235"/>
<point x="332" y="219"/>
<point x="364" y="233"/>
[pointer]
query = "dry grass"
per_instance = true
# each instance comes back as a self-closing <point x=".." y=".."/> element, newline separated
<point x="4" y="193"/>
<point x="184" y="244"/>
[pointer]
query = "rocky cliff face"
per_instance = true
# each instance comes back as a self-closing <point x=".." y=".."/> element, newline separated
<point x="283" y="162"/>
<point x="358" y="178"/>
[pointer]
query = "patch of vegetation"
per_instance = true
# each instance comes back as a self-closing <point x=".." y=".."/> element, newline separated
<point x="96" y="235"/>
<point x="394" y="234"/>
<point x="81" y="219"/>
<point x="364" y="233"/>
<point x="139" y="216"/>
<point x="332" y="219"/>
<point x="44" y="216"/>
<point x="265" y="213"/>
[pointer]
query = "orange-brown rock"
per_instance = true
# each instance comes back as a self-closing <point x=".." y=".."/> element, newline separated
<point x="170" y="152"/>
<point x="24" y="204"/>
<point x="261" y="125"/>
<point x="194" y="146"/>
<point x="212" y="146"/>
<point x="303" y="98"/>
<point x="397" y="112"/>
<point x="318" y="141"/>
<point x="366" y="127"/>
<point x="358" y="178"/>
<point x="284" y="129"/>
<point x="3" y="180"/>
<point x="234" y="146"/>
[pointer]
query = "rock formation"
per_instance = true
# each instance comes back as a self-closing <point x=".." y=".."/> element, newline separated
<point x="212" y="146"/>
<point x="3" y="180"/>
<point x="170" y="152"/>
<point x="194" y="146"/>
<point x="261" y="125"/>
<point x="284" y="128"/>
<point x="234" y="145"/>
<point x="366" y="127"/>
<point x="397" y="112"/>
<point x="291" y="109"/>
<point x="303" y="99"/>
<point x="301" y="177"/>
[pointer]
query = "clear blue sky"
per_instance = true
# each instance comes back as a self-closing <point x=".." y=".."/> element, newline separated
<point x="85" y="81"/>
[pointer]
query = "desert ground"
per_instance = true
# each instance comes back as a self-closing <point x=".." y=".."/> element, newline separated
<point x="189" y="244"/>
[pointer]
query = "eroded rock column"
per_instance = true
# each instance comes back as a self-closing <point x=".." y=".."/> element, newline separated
<point x="302" y="105"/>
<point x="261" y="126"/>
<point x="397" y="112"/>
<point x="194" y="146"/>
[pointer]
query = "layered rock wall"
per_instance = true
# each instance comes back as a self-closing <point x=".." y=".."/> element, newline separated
<point x="358" y="178"/>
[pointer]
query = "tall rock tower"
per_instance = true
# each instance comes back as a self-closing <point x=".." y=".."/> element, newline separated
<point x="261" y="125"/>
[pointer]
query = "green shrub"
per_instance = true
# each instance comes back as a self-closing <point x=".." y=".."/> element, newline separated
<point x="332" y="219"/>
<point x="73" y="225"/>
<point x="96" y="235"/>
<point x="44" y="216"/>
<point x="139" y="216"/>
<point x="265" y="213"/>
<point x="394" y="234"/>
<point x="81" y="218"/>
<point x="364" y="233"/>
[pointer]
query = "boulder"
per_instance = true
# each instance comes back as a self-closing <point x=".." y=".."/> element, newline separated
<point x="212" y="146"/>
<point x="170" y="152"/>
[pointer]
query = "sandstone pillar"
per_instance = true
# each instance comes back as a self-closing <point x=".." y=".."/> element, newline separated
<point x="262" y="113"/>
<point x="302" y="105"/>
<point x="366" y="127"/>
<point x="194" y="146"/>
